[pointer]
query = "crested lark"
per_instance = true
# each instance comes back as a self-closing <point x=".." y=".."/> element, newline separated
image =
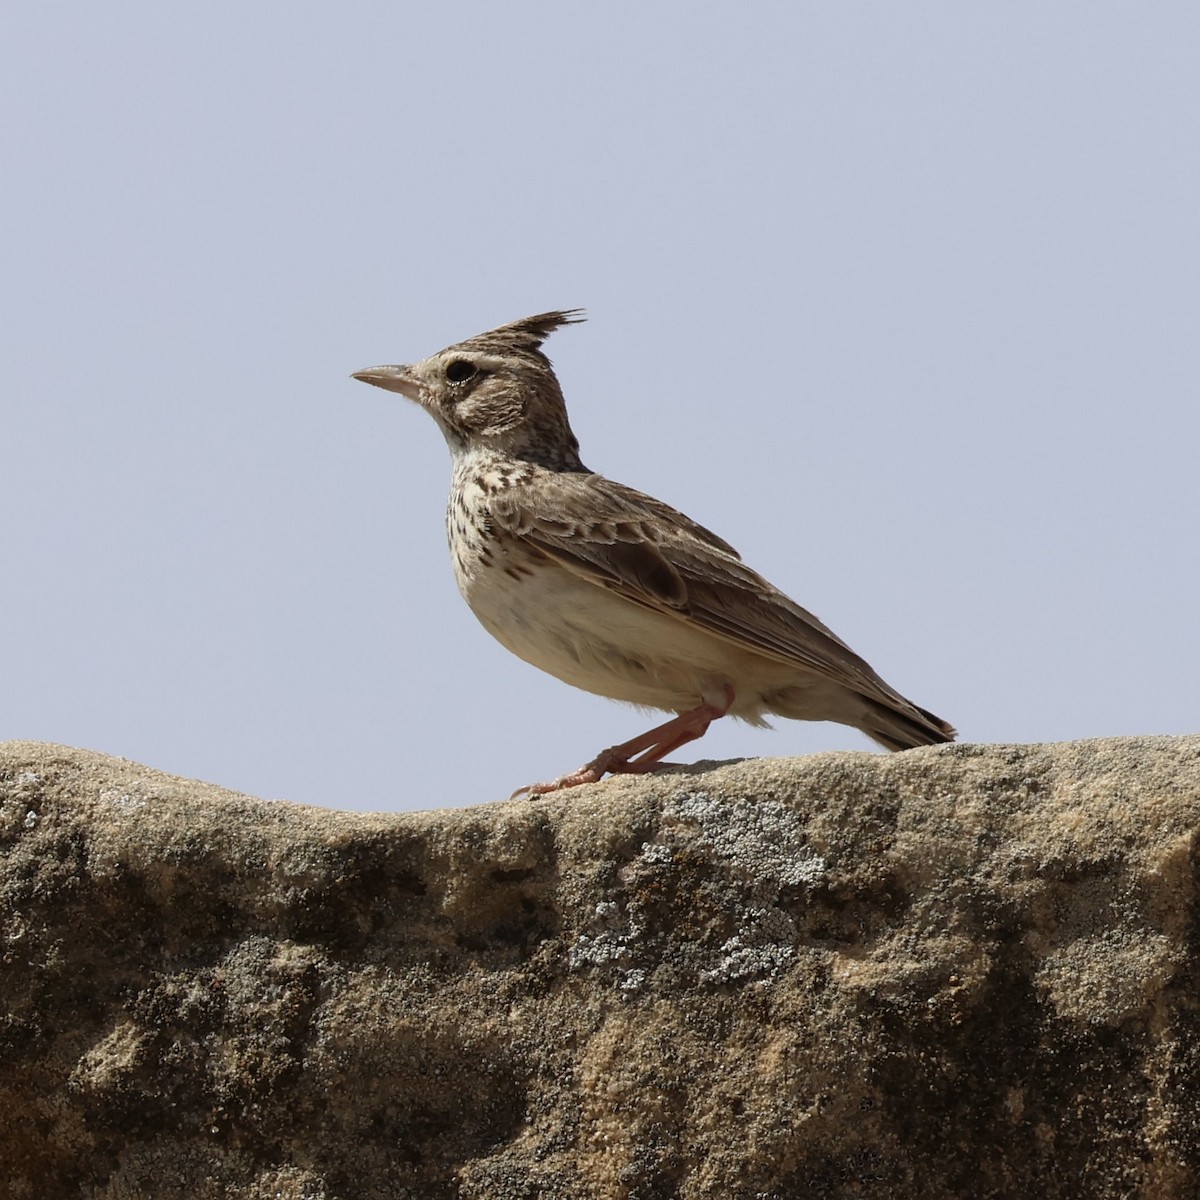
<point x="611" y="590"/>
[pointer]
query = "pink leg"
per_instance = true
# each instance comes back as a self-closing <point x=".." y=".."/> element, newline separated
<point x="650" y="748"/>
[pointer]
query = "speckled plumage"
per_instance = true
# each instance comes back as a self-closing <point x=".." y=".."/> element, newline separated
<point x="611" y="590"/>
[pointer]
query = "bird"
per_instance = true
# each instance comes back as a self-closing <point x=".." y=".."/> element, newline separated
<point x="611" y="590"/>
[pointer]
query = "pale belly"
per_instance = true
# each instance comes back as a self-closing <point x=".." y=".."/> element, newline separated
<point x="593" y="639"/>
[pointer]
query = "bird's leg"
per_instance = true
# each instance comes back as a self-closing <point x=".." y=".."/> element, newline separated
<point x="649" y="748"/>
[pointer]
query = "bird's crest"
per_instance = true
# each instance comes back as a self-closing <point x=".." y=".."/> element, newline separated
<point x="525" y="335"/>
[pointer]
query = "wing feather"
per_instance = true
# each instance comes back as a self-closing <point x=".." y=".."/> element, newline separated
<point x="649" y="553"/>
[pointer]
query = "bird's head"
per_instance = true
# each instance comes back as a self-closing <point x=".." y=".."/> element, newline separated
<point x="496" y="391"/>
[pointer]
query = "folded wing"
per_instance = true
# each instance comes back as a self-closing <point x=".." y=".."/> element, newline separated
<point x="649" y="553"/>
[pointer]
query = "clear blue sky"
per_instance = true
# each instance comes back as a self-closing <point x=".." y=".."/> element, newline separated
<point x="903" y="300"/>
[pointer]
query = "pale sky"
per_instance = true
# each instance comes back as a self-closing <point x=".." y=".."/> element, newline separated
<point x="902" y="300"/>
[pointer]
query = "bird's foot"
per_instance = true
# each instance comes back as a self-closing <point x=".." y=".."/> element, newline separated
<point x="639" y="754"/>
<point x="585" y="774"/>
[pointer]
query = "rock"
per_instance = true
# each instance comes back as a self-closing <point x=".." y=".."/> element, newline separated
<point x="962" y="971"/>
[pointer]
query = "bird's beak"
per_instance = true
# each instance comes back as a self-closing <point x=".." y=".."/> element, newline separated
<point x="395" y="379"/>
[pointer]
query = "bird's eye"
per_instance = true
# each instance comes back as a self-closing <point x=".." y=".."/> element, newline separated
<point x="459" y="371"/>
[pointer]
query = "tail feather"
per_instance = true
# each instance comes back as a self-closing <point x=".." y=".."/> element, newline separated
<point x="897" y="728"/>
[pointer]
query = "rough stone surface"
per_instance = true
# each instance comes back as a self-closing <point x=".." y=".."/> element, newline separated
<point x="963" y="971"/>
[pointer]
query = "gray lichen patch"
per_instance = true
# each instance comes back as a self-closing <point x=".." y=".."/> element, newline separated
<point x="704" y="900"/>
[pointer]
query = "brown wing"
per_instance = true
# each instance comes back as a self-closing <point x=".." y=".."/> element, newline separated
<point x="651" y="554"/>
